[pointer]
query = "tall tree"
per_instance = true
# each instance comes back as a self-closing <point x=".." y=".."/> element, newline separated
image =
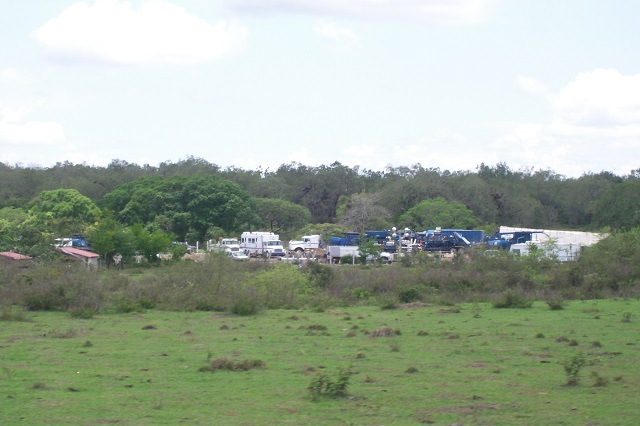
<point x="438" y="212"/>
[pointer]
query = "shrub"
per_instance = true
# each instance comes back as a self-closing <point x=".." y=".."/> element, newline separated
<point x="8" y="313"/>
<point x="409" y="295"/>
<point x="556" y="304"/>
<point x="512" y="300"/>
<point x="245" y="307"/>
<point x="572" y="368"/>
<point x="322" y="386"/>
<point x="82" y="312"/>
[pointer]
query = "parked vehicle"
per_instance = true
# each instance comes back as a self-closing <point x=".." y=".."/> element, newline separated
<point x="75" y="241"/>
<point x="348" y="239"/>
<point x="448" y="242"/>
<point x="473" y="236"/>
<point x="308" y="242"/>
<point x="238" y="255"/>
<point x="334" y="253"/>
<point x="224" y="244"/>
<point x="190" y="248"/>
<point x="505" y="240"/>
<point x="265" y="244"/>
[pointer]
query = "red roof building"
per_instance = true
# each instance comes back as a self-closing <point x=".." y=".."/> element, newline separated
<point x="9" y="255"/>
<point x="87" y="257"/>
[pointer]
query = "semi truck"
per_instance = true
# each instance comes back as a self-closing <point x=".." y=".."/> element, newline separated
<point x="308" y="242"/>
<point x="265" y="244"/>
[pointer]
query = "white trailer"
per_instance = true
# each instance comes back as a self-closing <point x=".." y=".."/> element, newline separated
<point x="563" y="252"/>
<point x="265" y="244"/>
<point x="334" y="253"/>
<point x="308" y="242"/>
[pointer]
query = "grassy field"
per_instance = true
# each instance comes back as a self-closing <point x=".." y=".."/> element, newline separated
<point x="467" y="364"/>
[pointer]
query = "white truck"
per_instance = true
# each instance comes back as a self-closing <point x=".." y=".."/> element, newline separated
<point x="265" y="244"/>
<point x="308" y="242"/>
<point x="224" y="244"/>
<point x="334" y="253"/>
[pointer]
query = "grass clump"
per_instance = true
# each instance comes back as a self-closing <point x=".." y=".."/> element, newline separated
<point x="385" y="332"/>
<point x="227" y="364"/>
<point x="323" y="387"/>
<point x="572" y="367"/>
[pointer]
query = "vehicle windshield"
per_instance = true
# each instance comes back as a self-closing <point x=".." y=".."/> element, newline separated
<point x="273" y="243"/>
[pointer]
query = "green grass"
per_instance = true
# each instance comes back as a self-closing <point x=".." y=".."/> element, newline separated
<point x="477" y="366"/>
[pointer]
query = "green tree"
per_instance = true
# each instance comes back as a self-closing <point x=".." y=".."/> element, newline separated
<point x="110" y="237"/>
<point x="279" y="214"/>
<point x="435" y="212"/>
<point x="64" y="211"/>
<point x="183" y="206"/>
<point x="619" y="208"/>
<point x="150" y="244"/>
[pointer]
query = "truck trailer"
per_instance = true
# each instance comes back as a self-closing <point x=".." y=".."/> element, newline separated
<point x="265" y="244"/>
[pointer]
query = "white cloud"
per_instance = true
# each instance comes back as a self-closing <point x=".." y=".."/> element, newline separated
<point x="600" y="98"/>
<point x="8" y="74"/>
<point x="595" y="121"/>
<point x="334" y="32"/>
<point x="17" y="129"/>
<point x="157" y="32"/>
<point x="360" y="153"/>
<point x="531" y="85"/>
<point x="437" y="11"/>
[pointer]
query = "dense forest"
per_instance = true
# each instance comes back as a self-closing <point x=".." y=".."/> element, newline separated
<point x="127" y="207"/>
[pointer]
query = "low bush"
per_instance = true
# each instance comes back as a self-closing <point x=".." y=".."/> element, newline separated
<point x="572" y="367"/>
<point x="514" y="300"/>
<point x="322" y="386"/>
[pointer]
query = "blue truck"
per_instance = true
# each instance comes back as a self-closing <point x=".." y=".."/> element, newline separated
<point x="505" y="240"/>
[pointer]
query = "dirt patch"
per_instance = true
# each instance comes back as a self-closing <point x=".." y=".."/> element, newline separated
<point x="467" y="409"/>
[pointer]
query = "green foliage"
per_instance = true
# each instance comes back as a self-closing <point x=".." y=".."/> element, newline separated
<point x="281" y="286"/>
<point x="611" y="264"/>
<point x="368" y="251"/>
<point x="110" y="238"/>
<point x="186" y="204"/>
<point x="514" y="300"/>
<point x="277" y="214"/>
<point x="619" y="207"/>
<point x="150" y="244"/>
<point x="324" y="387"/>
<point x="572" y="367"/>
<point x="66" y="204"/>
<point x="320" y="275"/>
<point x="429" y="214"/>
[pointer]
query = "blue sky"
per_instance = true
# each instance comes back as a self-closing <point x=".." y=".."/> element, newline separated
<point x="552" y="85"/>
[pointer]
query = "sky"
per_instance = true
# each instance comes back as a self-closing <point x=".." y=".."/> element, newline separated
<point x="254" y="84"/>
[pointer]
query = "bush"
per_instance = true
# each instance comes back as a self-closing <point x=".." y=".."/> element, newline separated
<point x="322" y="386"/>
<point x="512" y="300"/>
<point x="572" y="368"/>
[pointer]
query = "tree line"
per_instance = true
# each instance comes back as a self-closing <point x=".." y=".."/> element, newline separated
<point x="194" y="200"/>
